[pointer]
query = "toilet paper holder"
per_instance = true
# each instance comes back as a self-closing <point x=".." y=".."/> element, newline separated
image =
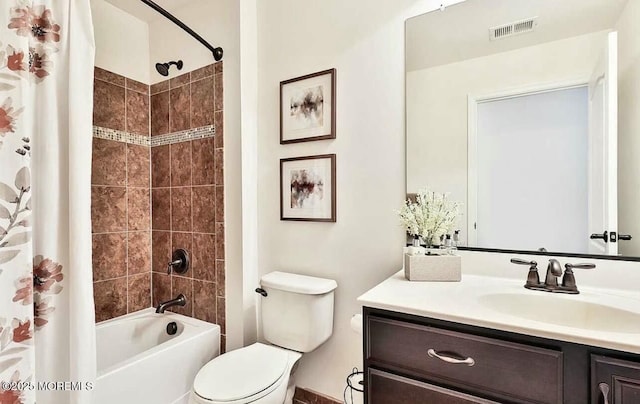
<point x="356" y="323"/>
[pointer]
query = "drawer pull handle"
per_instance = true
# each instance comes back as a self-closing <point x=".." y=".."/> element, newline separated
<point x="468" y="361"/>
<point x="604" y="389"/>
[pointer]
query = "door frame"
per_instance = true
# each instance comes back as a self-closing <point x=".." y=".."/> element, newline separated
<point x="606" y="71"/>
<point x="472" y="135"/>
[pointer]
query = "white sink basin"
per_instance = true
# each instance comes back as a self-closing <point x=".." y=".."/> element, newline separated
<point x="564" y="310"/>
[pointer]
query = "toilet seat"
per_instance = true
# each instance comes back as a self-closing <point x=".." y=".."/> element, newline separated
<point x="243" y="375"/>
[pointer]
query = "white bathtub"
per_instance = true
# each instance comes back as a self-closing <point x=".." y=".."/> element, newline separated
<point x="139" y="362"/>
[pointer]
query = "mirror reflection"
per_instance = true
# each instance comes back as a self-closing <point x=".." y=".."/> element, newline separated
<point x="526" y="111"/>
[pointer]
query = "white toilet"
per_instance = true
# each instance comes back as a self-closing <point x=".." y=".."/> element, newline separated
<point x="297" y="317"/>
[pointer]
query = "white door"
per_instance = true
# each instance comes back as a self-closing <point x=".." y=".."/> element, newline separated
<point x="603" y="147"/>
<point x="532" y="171"/>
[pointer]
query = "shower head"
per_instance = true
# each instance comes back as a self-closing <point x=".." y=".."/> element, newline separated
<point x="163" y="68"/>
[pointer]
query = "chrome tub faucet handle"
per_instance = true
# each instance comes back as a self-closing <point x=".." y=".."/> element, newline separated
<point x="179" y="262"/>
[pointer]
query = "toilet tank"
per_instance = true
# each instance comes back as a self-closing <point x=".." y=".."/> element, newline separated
<point x="297" y="312"/>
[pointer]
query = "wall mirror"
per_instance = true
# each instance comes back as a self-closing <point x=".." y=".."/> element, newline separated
<point x="528" y="112"/>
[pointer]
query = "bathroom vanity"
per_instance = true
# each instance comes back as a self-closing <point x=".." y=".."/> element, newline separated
<point x="448" y="343"/>
<point x="522" y="127"/>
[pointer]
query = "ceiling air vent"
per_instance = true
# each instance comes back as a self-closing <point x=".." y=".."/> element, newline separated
<point x="511" y="29"/>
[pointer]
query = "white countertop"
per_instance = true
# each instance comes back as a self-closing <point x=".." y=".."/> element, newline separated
<point x="469" y="302"/>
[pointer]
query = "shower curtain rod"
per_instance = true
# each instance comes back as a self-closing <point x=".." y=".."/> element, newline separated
<point x="217" y="52"/>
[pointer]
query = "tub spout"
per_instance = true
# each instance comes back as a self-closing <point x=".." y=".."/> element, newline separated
<point x="178" y="301"/>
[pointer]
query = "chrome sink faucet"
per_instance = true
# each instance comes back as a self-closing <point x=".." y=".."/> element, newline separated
<point x="554" y="271"/>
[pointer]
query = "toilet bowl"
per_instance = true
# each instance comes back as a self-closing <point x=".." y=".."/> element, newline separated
<point x="257" y="374"/>
<point x="297" y="317"/>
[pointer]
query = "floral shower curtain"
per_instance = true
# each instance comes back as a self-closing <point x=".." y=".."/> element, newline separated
<point x="47" y="332"/>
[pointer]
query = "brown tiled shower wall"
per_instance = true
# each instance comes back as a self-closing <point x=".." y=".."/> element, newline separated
<point x="179" y="205"/>
<point x="187" y="191"/>
<point x="120" y="199"/>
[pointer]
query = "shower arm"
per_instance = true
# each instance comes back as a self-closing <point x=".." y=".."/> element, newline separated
<point x="217" y="52"/>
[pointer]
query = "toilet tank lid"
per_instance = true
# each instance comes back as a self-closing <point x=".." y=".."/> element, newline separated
<point x="288" y="282"/>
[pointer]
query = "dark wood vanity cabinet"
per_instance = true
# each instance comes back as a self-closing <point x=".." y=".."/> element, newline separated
<point x="614" y="381"/>
<point x="390" y="388"/>
<point x="414" y="360"/>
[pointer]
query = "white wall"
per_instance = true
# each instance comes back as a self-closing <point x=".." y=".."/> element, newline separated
<point x="629" y="127"/>
<point x="437" y="104"/>
<point x="364" y="41"/>
<point x="122" y="41"/>
<point x="216" y="21"/>
<point x="219" y="23"/>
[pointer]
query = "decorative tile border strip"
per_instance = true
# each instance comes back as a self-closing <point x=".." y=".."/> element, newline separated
<point x="183" y="136"/>
<point x="160" y="140"/>
<point x="120" y="136"/>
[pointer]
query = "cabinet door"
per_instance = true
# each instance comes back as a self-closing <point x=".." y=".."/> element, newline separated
<point x="614" y="381"/>
<point x="386" y="388"/>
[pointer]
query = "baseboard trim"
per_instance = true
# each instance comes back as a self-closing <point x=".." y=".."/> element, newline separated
<point x="306" y="396"/>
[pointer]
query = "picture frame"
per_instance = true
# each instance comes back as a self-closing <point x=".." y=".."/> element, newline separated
<point x="308" y="107"/>
<point x="308" y="188"/>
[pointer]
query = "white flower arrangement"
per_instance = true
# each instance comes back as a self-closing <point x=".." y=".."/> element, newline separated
<point x="430" y="216"/>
